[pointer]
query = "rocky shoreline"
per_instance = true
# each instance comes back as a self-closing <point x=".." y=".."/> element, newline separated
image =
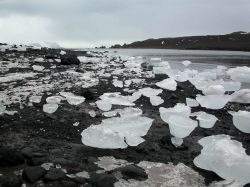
<point x="41" y="149"/>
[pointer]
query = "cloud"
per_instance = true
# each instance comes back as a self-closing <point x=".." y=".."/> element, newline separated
<point x="96" y="22"/>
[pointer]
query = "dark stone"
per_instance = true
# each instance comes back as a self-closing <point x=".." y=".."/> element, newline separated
<point x="13" y="181"/>
<point x="103" y="180"/>
<point x="79" y="180"/>
<point x="10" y="157"/>
<point x="27" y="152"/>
<point x="132" y="171"/>
<point x="33" y="173"/>
<point x="88" y="94"/>
<point x="54" y="174"/>
<point x="65" y="183"/>
<point x="36" y="161"/>
<point x="69" y="60"/>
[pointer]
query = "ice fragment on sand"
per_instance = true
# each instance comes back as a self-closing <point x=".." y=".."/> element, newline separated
<point x="186" y="63"/>
<point x="241" y="96"/>
<point x="156" y="100"/>
<point x="169" y="84"/>
<point x="241" y="74"/>
<point x="109" y="163"/>
<point x="213" y="101"/>
<point x="117" y="83"/>
<point x="92" y="113"/>
<point x="62" y="53"/>
<point x="226" y="157"/>
<point x="35" y="99"/>
<point x="76" y="124"/>
<point x="214" y="90"/>
<point x="50" y="108"/>
<point x="117" y="132"/>
<point x="191" y="102"/>
<point x="38" y="68"/>
<point x="241" y="120"/>
<point x="206" y="120"/>
<point x="39" y="59"/>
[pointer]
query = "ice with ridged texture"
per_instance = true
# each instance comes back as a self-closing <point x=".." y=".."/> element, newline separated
<point x="226" y="157"/>
<point x="241" y="74"/>
<point x="117" y="132"/>
<point x="38" y="68"/>
<point x="54" y="99"/>
<point x="241" y="120"/>
<point x="186" y="63"/>
<point x="156" y="100"/>
<point x="169" y="84"/>
<point x="179" y="109"/>
<point x="104" y="105"/>
<point x="214" y="90"/>
<point x="213" y="101"/>
<point x="72" y="99"/>
<point x="180" y="126"/>
<point x="50" y="108"/>
<point x="35" y="99"/>
<point x="206" y="120"/>
<point x="241" y="96"/>
<point x="191" y="102"/>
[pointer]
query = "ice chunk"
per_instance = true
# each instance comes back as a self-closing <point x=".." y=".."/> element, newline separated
<point x="54" y="99"/>
<point x="63" y="52"/>
<point x="110" y="113"/>
<point x="241" y="74"/>
<point x="117" y="83"/>
<point x="130" y="112"/>
<point x="155" y="59"/>
<point x="50" y="108"/>
<point x="186" y="63"/>
<point x="241" y="120"/>
<point x="214" y="90"/>
<point x="116" y="99"/>
<point x="2" y="108"/>
<point x="177" y="141"/>
<point x="148" y="92"/>
<point x="76" y="124"/>
<point x="92" y="113"/>
<point x="16" y="76"/>
<point x="35" y="99"/>
<point x="72" y="99"/>
<point x="226" y="157"/>
<point x="160" y="70"/>
<point x="180" y="126"/>
<point x="241" y="96"/>
<point x="104" y="105"/>
<point x="109" y="163"/>
<point x="156" y="100"/>
<point x="179" y="109"/>
<point x="39" y="59"/>
<point x="213" y="101"/>
<point x="169" y="84"/>
<point x="117" y="132"/>
<point x="206" y="120"/>
<point x="191" y="102"/>
<point x="38" y="68"/>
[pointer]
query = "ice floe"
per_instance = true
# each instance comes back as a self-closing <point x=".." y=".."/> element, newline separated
<point x="241" y="74"/>
<point x="156" y="100"/>
<point x="214" y="90"/>
<point x="213" y="101"/>
<point x="72" y="98"/>
<point x="206" y="120"/>
<point x="117" y="132"/>
<point x="169" y="84"/>
<point x="226" y="157"/>
<point x="241" y="120"/>
<point x="35" y="99"/>
<point x="54" y="99"/>
<point x="50" y="108"/>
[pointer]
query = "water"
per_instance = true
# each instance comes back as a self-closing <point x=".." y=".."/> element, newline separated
<point x="201" y="59"/>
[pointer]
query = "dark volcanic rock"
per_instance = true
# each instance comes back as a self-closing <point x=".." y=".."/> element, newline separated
<point x="132" y="171"/>
<point x="88" y="94"/>
<point x="34" y="173"/>
<point x="54" y="174"/>
<point x="10" y="157"/>
<point x="13" y="181"/>
<point x="65" y="183"/>
<point x="69" y="60"/>
<point x="103" y="180"/>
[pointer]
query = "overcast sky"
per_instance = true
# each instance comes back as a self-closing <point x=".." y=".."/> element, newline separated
<point x="88" y="23"/>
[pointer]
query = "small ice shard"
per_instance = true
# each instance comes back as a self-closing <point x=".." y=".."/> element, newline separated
<point x="109" y="163"/>
<point x="169" y="84"/>
<point x="214" y="90"/>
<point x="39" y="59"/>
<point x="186" y="63"/>
<point x="206" y="120"/>
<point x="241" y="120"/>
<point x="156" y="100"/>
<point x="76" y="124"/>
<point x="128" y="83"/>
<point x="226" y="157"/>
<point x="2" y="108"/>
<point x="179" y="109"/>
<point x="180" y="126"/>
<point x="72" y="99"/>
<point x="148" y="92"/>
<point x="104" y="105"/>
<point x="177" y="141"/>
<point x="241" y="96"/>
<point x="62" y="52"/>
<point x="83" y="174"/>
<point x="241" y="74"/>
<point x="38" y="68"/>
<point x="116" y="99"/>
<point x="130" y="112"/>
<point x="54" y="99"/>
<point x="213" y="101"/>
<point x="191" y="102"/>
<point x="35" y="99"/>
<point x="117" y="132"/>
<point x="110" y="114"/>
<point x="92" y="113"/>
<point x="134" y="97"/>
<point x="117" y="83"/>
<point x="50" y="108"/>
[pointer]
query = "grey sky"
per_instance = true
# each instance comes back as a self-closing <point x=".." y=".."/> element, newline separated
<point x="82" y="23"/>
